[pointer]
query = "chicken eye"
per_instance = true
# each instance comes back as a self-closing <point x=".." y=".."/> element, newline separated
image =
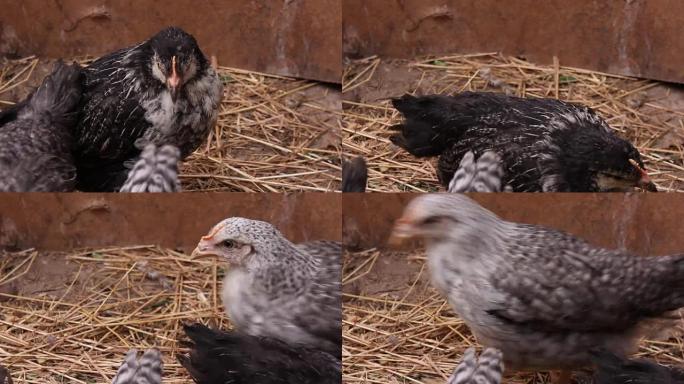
<point x="432" y="220"/>
<point x="229" y="244"/>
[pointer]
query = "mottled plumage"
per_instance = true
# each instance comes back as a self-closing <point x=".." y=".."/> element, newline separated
<point x="354" y="175"/>
<point x="545" y="144"/>
<point x="278" y="289"/>
<point x="611" y="369"/>
<point x="35" y="135"/>
<point x="488" y="369"/>
<point x="155" y="171"/>
<point x="541" y="296"/>
<point x="233" y="357"/>
<point x="483" y="175"/>
<point x="146" y="370"/>
<point x="161" y="91"/>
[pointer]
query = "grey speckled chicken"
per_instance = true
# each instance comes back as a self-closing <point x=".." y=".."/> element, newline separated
<point x="35" y="135"/>
<point x="278" y="289"/>
<point x="146" y="370"/>
<point x="155" y="171"/>
<point x="546" y="145"/>
<point x="487" y="369"/>
<point x="483" y="175"/>
<point x="161" y="91"/>
<point x="541" y="296"/>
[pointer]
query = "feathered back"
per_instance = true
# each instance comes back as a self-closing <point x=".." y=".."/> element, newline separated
<point x="611" y="369"/>
<point x="231" y="357"/>
<point x="155" y="171"/>
<point x="354" y="175"/>
<point x="147" y="370"/>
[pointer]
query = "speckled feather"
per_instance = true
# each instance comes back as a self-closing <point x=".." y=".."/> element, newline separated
<point x="545" y="144"/>
<point x="125" y="107"/>
<point x="233" y="357"/>
<point x="146" y="370"/>
<point x="487" y="369"/>
<point x="285" y="291"/>
<point x="541" y="296"/>
<point x="155" y="171"/>
<point x="483" y="175"/>
<point x="35" y="136"/>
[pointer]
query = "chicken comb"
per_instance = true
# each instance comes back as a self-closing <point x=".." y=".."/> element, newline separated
<point x="213" y="232"/>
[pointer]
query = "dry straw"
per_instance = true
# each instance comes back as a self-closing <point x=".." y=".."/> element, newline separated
<point x="413" y="336"/>
<point x="654" y="128"/>
<point x="274" y="133"/>
<point x="76" y="326"/>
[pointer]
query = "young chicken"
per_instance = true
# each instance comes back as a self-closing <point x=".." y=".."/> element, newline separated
<point x="35" y="135"/>
<point x="160" y="91"/>
<point x="541" y="296"/>
<point x="155" y="171"/>
<point x="546" y="145"/>
<point x="234" y="357"/>
<point x="274" y="288"/>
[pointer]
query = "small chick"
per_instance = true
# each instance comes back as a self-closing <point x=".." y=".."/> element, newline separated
<point x="541" y="296"/>
<point x="147" y="370"/>
<point x="483" y="175"/>
<point x="488" y="369"/>
<point x="155" y="171"/>
<point x="234" y="357"/>
<point x="274" y="288"/>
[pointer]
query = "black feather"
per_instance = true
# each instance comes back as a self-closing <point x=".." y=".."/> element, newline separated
<point x="354" y="175"/>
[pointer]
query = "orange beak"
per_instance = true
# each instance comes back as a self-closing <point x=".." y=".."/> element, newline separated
<point x="203" y="250"/>
<point x="645" y="181"/>
<point x="173" y="81"/>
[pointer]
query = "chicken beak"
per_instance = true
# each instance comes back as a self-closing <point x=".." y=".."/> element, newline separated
<point x="203" y="250"/>
<point x="402" y="231"/>
<point x="644" y="180"/>
<point x="173" y="82"/>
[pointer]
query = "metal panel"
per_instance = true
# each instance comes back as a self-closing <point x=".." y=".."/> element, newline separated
<point x="296" y="38"/>
<point x="631" y="37"/>
<point x="52" y="221"/>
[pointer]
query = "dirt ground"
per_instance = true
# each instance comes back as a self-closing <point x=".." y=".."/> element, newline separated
<point x="71" y="317"/>
<point x="274" y="133"/>
<point x="398" y="329"/>
<point x="649" y="114"/>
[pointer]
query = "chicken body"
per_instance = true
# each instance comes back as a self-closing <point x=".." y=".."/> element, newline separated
<point x="155" y="171"/>
<point x="277" y="289"/>
<point x="234" y="357"/>
<point x="545" y="145"/>
<point x="487" y="369"/>
<point x="146" y="370"/>
<point x="36" y="139"/>
<point x="161" y="91"/>
<point x="541" y="296"/>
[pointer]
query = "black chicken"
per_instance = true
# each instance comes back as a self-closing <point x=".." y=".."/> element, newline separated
<point x="232" y="357"/>
<point x="546" y="145"/>
<point x="611" y="369"/>
<point x="354" y="175"/>
<point x="161" y="91"/>
<point x="35" y="135"/>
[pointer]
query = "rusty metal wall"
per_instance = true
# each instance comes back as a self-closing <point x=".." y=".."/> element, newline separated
<point x="53" y="221"/>
<point x="646" y="224"/>
<point x="631" y="37"/>
<point x="299" y="38"/>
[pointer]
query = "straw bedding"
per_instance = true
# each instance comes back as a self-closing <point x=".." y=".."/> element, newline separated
<point x="647" y="113"/>
<point x="274" y="133"/>
<point x="397" y="328"/>
<point x="70" y="317"/>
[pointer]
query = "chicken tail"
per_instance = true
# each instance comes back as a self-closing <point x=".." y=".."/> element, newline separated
<point x="147" y="370"/>
<point x="611" y="369"/>
<point x="354" y="175"/>
<point x="234" y="357"/>
<point x="57" y="97"/>
<point x="155" y="171"/>
<point x="483" y="175"/>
